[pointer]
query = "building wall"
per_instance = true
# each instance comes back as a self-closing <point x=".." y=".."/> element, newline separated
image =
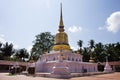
<point x="5" y="65"/>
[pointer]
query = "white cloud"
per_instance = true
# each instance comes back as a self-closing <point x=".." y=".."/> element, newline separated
<point x="74" y="29"/>
<point x="113" y="22"/>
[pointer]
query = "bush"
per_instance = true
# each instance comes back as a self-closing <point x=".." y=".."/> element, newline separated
<point x="31" y="70"/>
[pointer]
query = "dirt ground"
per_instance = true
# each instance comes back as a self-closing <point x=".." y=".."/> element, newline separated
<point x="111" y="76"/>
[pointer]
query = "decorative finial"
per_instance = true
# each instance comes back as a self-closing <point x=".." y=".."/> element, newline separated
<point x="61" y="25"/>
<point x="31" y="60"/>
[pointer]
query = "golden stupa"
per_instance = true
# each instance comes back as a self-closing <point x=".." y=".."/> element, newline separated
<point x="61" y="38"/>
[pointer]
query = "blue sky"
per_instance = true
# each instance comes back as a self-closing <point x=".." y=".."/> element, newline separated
<point x="21" y="20"/>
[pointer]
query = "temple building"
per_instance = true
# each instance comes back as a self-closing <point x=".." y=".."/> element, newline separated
<point x="61" y="60"/>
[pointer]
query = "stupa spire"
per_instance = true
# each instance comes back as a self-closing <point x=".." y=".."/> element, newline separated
<point x="61" y="25"/>
<point x="61" y="38"/>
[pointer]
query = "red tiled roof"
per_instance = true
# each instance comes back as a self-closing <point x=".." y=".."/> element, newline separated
<point x="112" y="63"/>
<point x="4" y="62"/>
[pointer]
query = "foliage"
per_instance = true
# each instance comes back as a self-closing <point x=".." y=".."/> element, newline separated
<point x="43" y="42"/>
<point x="6" y="50"/>
<point x="85" y="54"/>
<point x="21" y="54"/>
<point x="80" y="42"/>
<point x="91" y="43"/>
<point x="99" y="51"/>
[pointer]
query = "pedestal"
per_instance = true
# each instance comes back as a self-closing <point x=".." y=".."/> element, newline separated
<point x="60" y="70"/>
<point x="107" y="68"/>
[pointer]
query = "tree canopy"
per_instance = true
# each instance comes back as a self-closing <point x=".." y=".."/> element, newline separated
<point x="6" y="50"/>
<point x="100" y="51"/>
<point x="80" y="43"/>
<point x="43" y="42"/>
<point x="21" y="54"/>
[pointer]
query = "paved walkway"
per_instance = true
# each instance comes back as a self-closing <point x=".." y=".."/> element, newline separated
<point x="111" y="76"/>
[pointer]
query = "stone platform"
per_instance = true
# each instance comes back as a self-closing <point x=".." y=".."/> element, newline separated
<point x="68" y="76"/>
<point x="72" y="61"/>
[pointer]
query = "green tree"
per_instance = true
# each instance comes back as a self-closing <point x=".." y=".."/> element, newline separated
<point x="85" y="54"/>
<point x="7" y="50"/>
<point x="117" y="51"/>
<point x="99" y="52"/>
<point x="21" y="54"/>
<point x="112" y="51"/>
<point x="43" y="42"/>
<point x="92" y="46"/>
<point x="80" y="42"/>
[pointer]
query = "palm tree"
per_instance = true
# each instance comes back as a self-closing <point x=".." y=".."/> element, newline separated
<point x="85" y="54"/>
<point x="91" y="46"/>
<point x="7" y="50"/>
<point x="99" y="52"/>
<point x="80" y="42"/>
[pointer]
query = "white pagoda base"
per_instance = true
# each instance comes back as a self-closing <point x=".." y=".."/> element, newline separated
<point x="72" y="63"/>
